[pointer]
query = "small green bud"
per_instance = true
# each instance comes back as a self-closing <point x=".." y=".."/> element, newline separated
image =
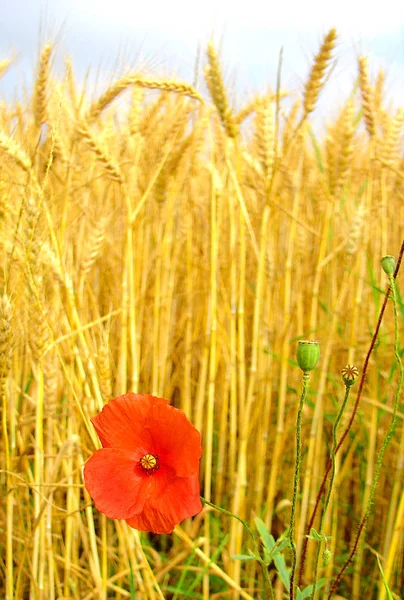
<point x="326" y="557"/>
<point x="308" y="355"/>
<point x="389" y="265"/>
<point x="350" y="374"/>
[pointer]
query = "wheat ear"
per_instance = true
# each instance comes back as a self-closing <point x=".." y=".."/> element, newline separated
<point x="378" y="91"/>
<point x="94" y="245"/>
<point x="215" y="83"/>
<point x="39" y="96"/>
<point x="103" y="157"/>
<point x="355" y="230"/>
<point x="4" y="65"/>
<point x="290" y="123"/>
<point x="264" y="136"/>
<point x="13" y="150"/>
<point x="5" y="338"/>
<point x="169" y="85"/>
<point x="245" y="112"/>
<point x="316" y="78"/>
<point x="104" y="370"/>
<point x="390" y="150"/>
<point x="367" y="96"/>
<point x="346" y="149"/>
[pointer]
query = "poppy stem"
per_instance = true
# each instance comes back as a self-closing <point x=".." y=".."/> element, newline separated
<point x="230" y="514"/>
<point x="268" y="584"/>
<point x="305" y="387"/>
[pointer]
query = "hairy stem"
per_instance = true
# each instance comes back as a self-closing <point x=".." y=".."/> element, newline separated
<point x="267" y="580"/>
<point x="354" y="411"/>
<point x="385" y="444"/>
<point x="305" y="386"/>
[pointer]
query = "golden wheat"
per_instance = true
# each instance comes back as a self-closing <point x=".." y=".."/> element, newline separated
<point x="39" y="100"/>
<point x="4" y="65"/>
<point x="215" y="83"/>
<point x="316" y="78"/>
<point x="103" y="156"/>
<point x="14" y="152"/>
<point x="367" y="96"/>
<point x="267" y="234"/>
<point x="169" y="85"/>
<point x="391" y="147"/>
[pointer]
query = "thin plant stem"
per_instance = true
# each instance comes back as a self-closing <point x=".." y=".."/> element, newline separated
<point x="332" y="478"/>
<point x="385" y="444"/>
<point x="305" y="386"/>
<point x="354" y="411"/>
<point x="267" y="580"/>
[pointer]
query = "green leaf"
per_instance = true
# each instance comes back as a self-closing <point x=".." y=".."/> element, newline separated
<point x="281" y="544"/>
<point x="318" y="537"/>
<point x="307" y="592"/>
<point x="386" y="585"/>
<point x="131" y="583"/>
<point x="196" y="580"/>
<point x="283" y="572"/>
<point x="244" y="557"/>
<point x="314" y="535"/>
<point x="179" y="588"/>
<point x="267" y="539"/>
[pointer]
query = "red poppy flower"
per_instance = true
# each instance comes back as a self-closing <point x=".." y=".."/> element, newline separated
<point x="148" y="469"/>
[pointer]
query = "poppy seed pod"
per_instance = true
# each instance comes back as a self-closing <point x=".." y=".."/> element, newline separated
<point x="350" y="374"/>
<point x="389" y="265"/>
<point x="308" y="355"/>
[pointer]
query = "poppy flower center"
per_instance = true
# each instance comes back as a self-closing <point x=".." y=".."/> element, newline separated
<point x="150" y="463"/>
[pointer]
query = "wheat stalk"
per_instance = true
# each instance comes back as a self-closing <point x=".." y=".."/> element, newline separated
<point x="8" y="432"/>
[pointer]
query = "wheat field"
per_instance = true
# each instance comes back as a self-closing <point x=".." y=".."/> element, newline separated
<point x="163" y="239"/>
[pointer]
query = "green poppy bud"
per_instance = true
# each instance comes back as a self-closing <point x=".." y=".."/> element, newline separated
<point x="389" y="265"/>
<point x="350" y="374"/>
<point x="308" y="355"/>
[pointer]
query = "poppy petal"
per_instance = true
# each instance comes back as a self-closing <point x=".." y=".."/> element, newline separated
<point x="179" y="500"/>
<point x="117" y="487"/>
<point x="121" y="423"/>
<point x="175" y="439"/>
<point x="123" y="486"/>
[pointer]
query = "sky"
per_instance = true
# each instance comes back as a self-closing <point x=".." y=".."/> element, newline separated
<point x="113" y="36"/>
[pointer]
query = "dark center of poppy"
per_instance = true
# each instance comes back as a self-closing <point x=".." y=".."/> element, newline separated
<point x="150" y="463"/>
